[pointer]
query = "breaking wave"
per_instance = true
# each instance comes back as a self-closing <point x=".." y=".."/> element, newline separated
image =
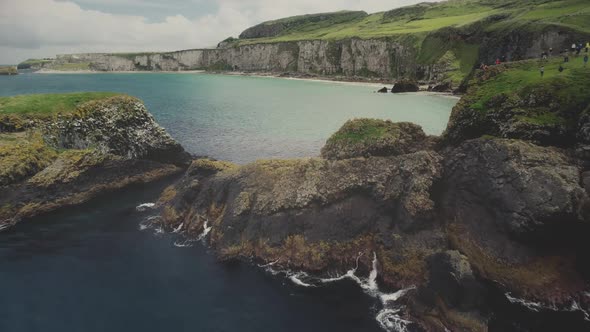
<point x="145" y="206"/>
<point x="537" y="306"/>
<point x="389" y="317"/>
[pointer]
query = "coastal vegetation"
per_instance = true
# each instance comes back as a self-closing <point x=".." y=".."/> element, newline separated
<point x="48" y="104"/>
<point x="34" y="63"/>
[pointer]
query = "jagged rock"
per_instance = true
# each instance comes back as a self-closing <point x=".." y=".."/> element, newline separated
<point x="452" y="280"/>
<point x="531" y="189"/>
<point x="405" y="86"/>
<point x="320" y="204"/>
<point x="119" y="125"/>
<point x="506" y="201"/>
<point x="383" y="90"/>
<point x="370" y="137"/>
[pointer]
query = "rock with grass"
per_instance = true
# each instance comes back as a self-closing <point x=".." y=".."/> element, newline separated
<point x="63" y="150"/>
<point x="371" y="137"/>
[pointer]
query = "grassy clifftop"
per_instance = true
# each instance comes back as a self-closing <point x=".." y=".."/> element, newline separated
<point x="427" y="17"/>
<point x="514" y="100"/>
<point x="47" y="104"/>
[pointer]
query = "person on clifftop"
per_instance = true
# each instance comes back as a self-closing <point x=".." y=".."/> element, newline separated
<point x="542" y="70"/>
<point x="561" y="69"/>
<point x="587" y="46"/>
<point x="566" y="57"/>
<point x="498" y="61"/>
<point x="585" y="60"/>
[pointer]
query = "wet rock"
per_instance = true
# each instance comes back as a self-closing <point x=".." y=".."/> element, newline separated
<point x="405" y="85"/>
<point x="383" y="90"/>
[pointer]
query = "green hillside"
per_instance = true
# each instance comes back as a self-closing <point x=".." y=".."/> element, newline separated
<point x="424" y="18"/>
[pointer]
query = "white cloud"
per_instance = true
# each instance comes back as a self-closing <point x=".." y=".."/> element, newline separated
<point x="42" y="28"/>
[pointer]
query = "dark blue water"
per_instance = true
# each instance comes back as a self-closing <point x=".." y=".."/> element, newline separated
<point x="91" y="269"/>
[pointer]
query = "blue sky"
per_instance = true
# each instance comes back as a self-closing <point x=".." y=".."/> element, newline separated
<point x="44" y="28"/>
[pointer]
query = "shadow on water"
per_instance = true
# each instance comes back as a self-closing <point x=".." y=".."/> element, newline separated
<point x="90" y="268"/>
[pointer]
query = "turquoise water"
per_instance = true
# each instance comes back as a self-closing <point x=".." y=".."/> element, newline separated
<point x="91" y="268"/>
<point x="242" y="119"/>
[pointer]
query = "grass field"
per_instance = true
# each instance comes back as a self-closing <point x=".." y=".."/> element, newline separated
<point x="47" y="104"/>
<point x="572" y="86"/>
<point x="423" y="18"/>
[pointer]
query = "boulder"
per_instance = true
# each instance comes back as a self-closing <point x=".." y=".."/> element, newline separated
<point x="405" y="86"/>
<point x="443" y="87"/>
<point x="371" y="137"/>
<point x="383" y="90"/>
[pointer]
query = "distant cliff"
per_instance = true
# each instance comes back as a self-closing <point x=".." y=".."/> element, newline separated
<point x="429" y="42"/>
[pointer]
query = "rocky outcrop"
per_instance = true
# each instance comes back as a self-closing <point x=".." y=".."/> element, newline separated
<point x="120" y="126"/>
<point x="476" y="228"/>
<point x="368" y="137"/>
<point x="405" y="86"/>
<point x="69" y="158"/>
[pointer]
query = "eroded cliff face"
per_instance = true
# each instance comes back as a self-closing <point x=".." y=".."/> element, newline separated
<point x="385" y="58"/>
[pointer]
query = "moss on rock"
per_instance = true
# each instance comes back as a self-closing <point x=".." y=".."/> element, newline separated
<point x="371" y="137"/>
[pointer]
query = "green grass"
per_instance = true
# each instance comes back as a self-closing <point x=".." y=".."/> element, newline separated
<point x="361" y="130"/>
<point x="571" y="86"/>
<point x="74" y="66"/>
<point x="33" y="62"/>
<point x="47" y="104"/>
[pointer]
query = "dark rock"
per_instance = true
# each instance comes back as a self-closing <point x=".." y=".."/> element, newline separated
<point x="382" y="90"/>
<point x="370" y="137"/>
<point x="405" y="86"/>
<point x="452" y="280"/>
<point x="443" y="87"/>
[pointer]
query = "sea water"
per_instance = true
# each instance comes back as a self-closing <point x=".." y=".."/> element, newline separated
<point x="96" y="268"/>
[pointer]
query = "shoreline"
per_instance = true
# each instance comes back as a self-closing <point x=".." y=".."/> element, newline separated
<point x="356" y="81"/>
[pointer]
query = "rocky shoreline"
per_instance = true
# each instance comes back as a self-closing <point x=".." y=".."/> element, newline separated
<point x="470" y="223"/>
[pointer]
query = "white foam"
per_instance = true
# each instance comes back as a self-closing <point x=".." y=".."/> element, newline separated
<point x="393" y="297"/>
<point x="206" y="230"/>
<point x="537" y="306"/>
<point x="178" y="229"/>
<point x="390" y="320"/>
<point x="296" y="279"/>
<point x="145" y="206"/>
<point x="183" y="244"/>
<point x="389" y="317"/>
<point x="4" y="226"/>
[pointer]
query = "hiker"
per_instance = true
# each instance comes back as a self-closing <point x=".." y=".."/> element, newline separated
<point x="542" y="71"/>
<point x="587" y="46"/>
<point x="544" y="55"/>
<point x="566" y="57"/>
<point x="579" y="49"/>
<point x="550" y="51"/>
<point x="573" y="47"/>
<point x="503" y="59"/>
<point x="561" y="68"/>
<point x="585" y="60"/>
<point x="498" y="61"/>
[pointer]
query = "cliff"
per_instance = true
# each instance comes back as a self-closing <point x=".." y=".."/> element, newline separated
<point x="62" y="150"/>
<point x="483" y="233"/>
<point x="440" y="42"/>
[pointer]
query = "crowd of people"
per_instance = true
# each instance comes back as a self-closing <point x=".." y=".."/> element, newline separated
<point x="575" y="50"/>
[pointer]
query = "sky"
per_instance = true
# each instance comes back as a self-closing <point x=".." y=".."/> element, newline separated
<point x="44" y="28"/>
